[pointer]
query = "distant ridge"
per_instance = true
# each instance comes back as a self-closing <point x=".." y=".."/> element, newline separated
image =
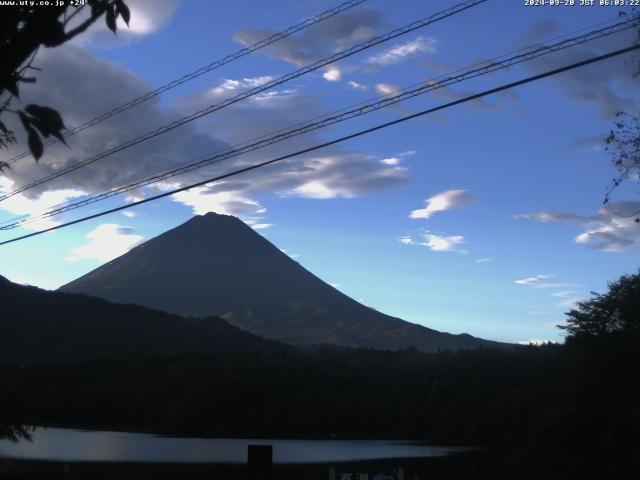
<point x="217" y="265"/>
<point x="42" y="326"/>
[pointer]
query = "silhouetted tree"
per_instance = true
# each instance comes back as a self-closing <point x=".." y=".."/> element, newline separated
<point x="24" y="29"/>
<point x="612" y="313"/>
<point x="624" y="145"/>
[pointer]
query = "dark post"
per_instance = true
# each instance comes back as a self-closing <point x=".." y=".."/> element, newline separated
<point x="260" y="462"/>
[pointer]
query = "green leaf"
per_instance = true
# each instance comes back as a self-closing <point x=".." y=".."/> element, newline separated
<point x="111" y="19"/>
<point x="47" y="120"/>
<point x="123" y="11"/>
<point x="42" y="127"/>
<point x="26" y="121"/>
<point x="46" y="114"/>
<point x="35" y="144"/>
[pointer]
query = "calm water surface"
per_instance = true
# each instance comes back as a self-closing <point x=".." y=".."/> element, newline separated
<point x="88" y="445"/>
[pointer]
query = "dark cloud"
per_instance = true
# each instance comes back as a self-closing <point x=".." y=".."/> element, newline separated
<point x="540" y="31"/>
<point x="318" y="41"/>
<point x="610" y="85"/>
<point x="81" y="86"/>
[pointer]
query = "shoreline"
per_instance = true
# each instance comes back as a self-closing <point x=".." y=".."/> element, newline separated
<point x="212" y="436"/>
<point x="468" y="465"/>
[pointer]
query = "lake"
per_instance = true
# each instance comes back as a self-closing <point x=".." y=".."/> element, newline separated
<point x="58" y="444"/>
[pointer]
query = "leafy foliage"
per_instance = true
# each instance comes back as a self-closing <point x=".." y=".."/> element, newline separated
<point x="623" y="144"/>
<point x="615" y="313"/>
<point x="40" y="121"/>
<point x="25" y="28"/>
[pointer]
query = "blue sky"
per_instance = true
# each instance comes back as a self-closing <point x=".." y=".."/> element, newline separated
<point x="486" y="218"/>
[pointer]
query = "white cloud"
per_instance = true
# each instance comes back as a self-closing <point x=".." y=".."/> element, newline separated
<point x="386" y="88"/>
<point x="615" y="234"/>
<point x="535" y="341"/>
<point x="229" y="85"/>
<point x="106" y="242"/>
<point x="332" y="173"/>
<point x="483" y="260"/>
<point x="611" y="229"/>
<point x="357" y="86"/>
<point x="132" y="198"/>
<point x="439" y="243"/>
<point x="129" y="213"/>
<point x="565" y="294"/>
<point x="443" y="201"/>
<point x="400" y="52"/>
<point x="332" y="74"/>
<point x="558" y="285"/>
<point x="294" y="256"/>
<point x="20" y="204"/>
<point x="203" y="201"/>
<point x="539" y="281"/>
<point x="436" y="243"/>
<point x="535" y="280"/>
<point x="407" y="153"/>
<point x="261" y="226"/>
<point x="316" y="190"/>
<point x="569" y="298"/>
<point x="397" y="158"/>
<point x="147" y="17"/>
<point x="546" y="217"/>
<point x="407" y="240"/>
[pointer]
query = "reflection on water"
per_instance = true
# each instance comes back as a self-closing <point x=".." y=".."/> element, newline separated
<point x="82" y="445"/>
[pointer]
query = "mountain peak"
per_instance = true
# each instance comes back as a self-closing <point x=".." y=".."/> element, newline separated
<point x="213" y="218"/>
<point x="214" y="215"/>
<point x="217" y="265"/>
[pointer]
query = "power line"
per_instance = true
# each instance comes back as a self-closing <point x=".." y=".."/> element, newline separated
<point x="253" y="91"/>
<point x="201" y="71"/>
<point x="491" y="66"/>
<point x="469" y="98"/>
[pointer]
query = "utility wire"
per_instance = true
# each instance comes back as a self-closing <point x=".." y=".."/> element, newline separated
<point x="381" y="126"/>
<point x="253" y="91"/>
<point x="200" y="71"/>
<point x="337" y="117"/>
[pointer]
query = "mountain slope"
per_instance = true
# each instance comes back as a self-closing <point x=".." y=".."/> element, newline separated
<point x="38" y="326"/>
<point x="217" y="265"/>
